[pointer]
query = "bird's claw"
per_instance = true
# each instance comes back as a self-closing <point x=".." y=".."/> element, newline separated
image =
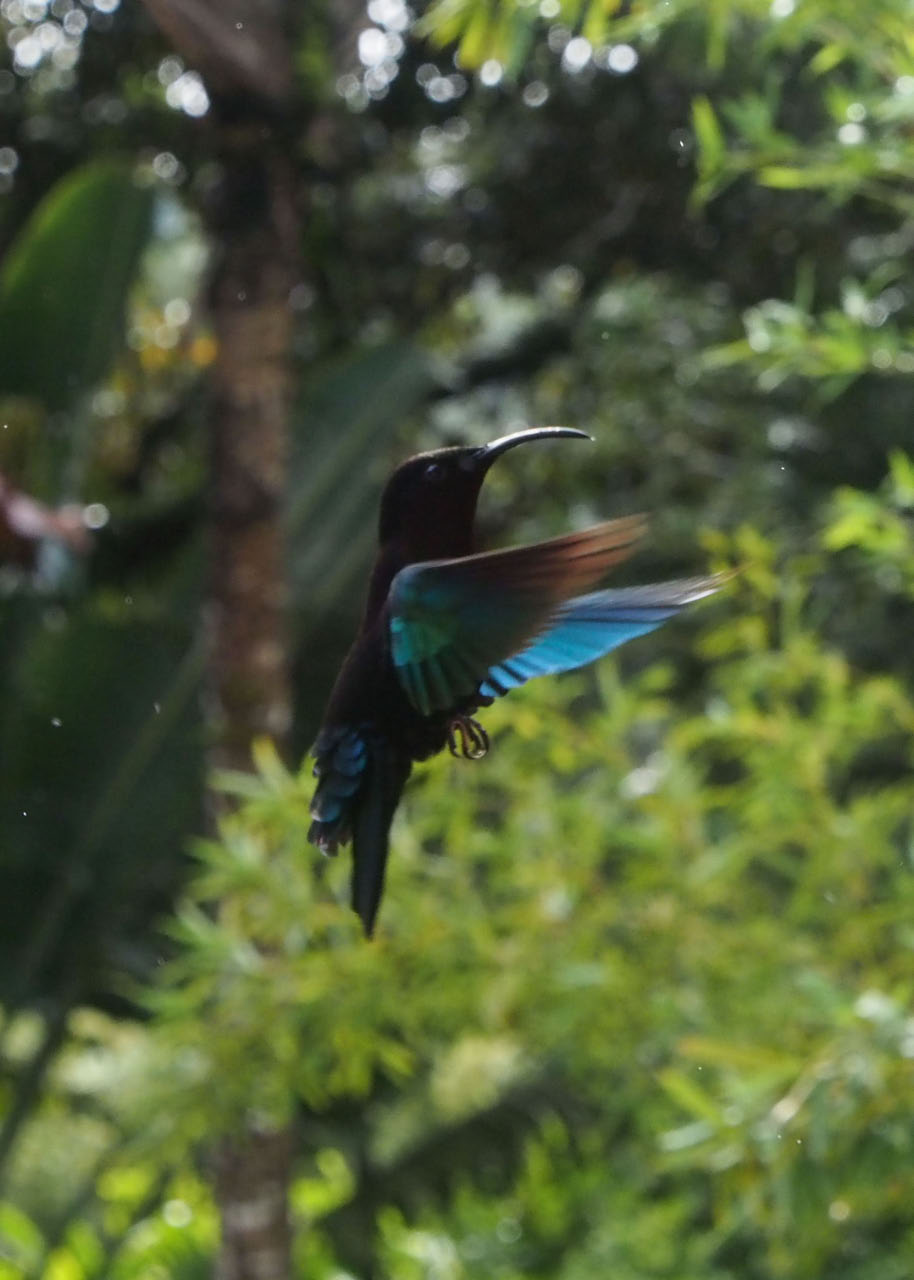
<point x="467" y="738"/>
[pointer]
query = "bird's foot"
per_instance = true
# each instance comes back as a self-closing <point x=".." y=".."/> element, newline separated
<point x="466" y="737"/>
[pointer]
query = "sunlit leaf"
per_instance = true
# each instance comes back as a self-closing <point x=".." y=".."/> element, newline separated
<point x="20" y="1239"/>
<point x="707" y="131"/>
<point x="65" y="280"/>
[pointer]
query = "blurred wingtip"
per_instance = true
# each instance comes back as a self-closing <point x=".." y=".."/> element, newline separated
<point x="724" y="576"/>
<point x="694" y="589"/>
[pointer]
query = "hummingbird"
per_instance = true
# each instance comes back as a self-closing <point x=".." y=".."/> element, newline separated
<point x="447" y="629"/>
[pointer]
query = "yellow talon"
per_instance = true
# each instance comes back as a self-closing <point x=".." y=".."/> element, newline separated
<point x="467" y="738"/>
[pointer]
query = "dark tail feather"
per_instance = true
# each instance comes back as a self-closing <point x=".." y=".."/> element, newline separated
<point x="378" y="798"/>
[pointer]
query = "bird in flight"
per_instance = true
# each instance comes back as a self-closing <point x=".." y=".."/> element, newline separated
<point x="447" y="630"/>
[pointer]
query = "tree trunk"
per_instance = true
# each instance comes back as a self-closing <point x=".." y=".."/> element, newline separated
<point x="251" y="1184"/>
<point x="254" y="230"/>
<point x="243" y="50"/>
<point x="254" y="224"/>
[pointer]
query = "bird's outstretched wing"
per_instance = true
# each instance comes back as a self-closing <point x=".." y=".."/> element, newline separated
<point x="587" y="627"/>
<point x="453" y="621"/>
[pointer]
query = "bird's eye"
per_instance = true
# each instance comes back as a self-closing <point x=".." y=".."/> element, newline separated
<point x="434" y="472"/>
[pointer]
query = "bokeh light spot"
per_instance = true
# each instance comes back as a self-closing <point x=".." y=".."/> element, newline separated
<point x="188" y="94"/>
<point x="851" y="135"/>
<point x="577" y="54"/>
<point x="621" y="59"/>
<point x="372" y="46"/>
<point x="491" y="72"/>
<point x="96" y="515"/>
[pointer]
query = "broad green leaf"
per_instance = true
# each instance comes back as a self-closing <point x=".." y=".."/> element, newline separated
<point x="65" y="281"/>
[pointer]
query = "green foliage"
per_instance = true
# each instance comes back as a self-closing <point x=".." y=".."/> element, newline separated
<point x="654" y="957"/>
<point x="849" y="105"/>
<point x="877" y="526"/>
<point x="854" y="144"/>
<point x="784" y="340"/>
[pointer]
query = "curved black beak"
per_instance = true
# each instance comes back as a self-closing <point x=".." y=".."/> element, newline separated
<point x="487" y="454"/>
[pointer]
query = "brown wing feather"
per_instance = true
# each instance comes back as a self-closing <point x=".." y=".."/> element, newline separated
<point x="559" y="567"/>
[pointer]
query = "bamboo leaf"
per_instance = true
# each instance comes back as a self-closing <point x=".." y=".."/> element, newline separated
<point x="690" y="1096"/>
<point x="708" y="132"/>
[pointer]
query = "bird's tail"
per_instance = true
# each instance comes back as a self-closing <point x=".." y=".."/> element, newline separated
<point x="360" y="779"/>
<point x="384" y="779"/>
<point x="586" y="627"/>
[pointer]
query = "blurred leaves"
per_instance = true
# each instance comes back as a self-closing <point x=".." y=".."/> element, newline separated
<point x="631" y="901"/>
<point x="65" y="281"/>
<point x="640" y="1005"/>
<point x="877" y="526"/>
<point x="784" y="340"/>
<point x="347" y="417"/>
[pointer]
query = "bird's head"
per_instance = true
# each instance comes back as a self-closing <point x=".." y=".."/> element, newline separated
<point x="429" y="503"/>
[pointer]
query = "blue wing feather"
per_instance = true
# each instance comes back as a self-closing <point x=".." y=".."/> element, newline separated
<point x="590" y="626"/>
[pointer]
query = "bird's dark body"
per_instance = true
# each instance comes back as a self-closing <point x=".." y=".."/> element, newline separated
<point x="446" y="630"/>
<point x="368" y="692"/>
